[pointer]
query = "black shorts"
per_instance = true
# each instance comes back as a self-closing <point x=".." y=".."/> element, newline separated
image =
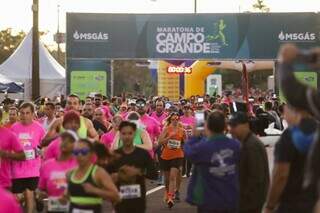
<point x="166" y="165"/>
<point x="21" y="184"/>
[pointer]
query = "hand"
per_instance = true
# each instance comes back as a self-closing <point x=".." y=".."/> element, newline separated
<point x="288" y="53"/>
<point x="89" y="188"/>
<point x="265" y="210"/>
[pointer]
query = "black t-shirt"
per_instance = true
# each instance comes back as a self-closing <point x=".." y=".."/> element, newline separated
<point x="99" y="127"/>
<point x="286" y="152"/>
<point x="141" y="159"/>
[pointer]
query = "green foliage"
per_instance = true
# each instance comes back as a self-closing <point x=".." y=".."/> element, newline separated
<point x="9" y="42"/>
<point x="261" y="6"/>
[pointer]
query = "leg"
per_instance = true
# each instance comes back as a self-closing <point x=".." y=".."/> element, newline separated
<point x="189" y="166"/>
<point x="167" y="179"/>
<point x="29" y="195"/>
<point x="173" y="180"/>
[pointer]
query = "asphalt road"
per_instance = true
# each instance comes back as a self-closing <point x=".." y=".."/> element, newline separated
<point x="155" y="202"/>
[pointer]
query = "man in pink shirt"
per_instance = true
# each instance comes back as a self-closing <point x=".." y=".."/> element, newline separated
<point x="8" y="203"/>
<point x="152" y="126"/>
<point x="160" y="115"/>
<point x="25" y="174"/>
<point x="10" y="149"/>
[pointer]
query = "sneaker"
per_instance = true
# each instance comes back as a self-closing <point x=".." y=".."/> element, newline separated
<point x="177" y="196"/>
<point x="170" y="203"/>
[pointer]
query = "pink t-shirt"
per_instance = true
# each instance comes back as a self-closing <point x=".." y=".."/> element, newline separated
<point x="152" y="126"/>
<point x="53" y="150"/>
<point x="123" y="115"/>
<point x="107" y="138"/>
<point x="188" y="124"/>
<point x="8" y="203"/>
<point x="53" y="176"/>
<point x="160" y="118"/>
<point x="30" y="137"/>
<point x="8" y="143"/>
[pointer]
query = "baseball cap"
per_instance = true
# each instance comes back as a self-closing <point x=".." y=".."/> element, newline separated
<point x="238" y="118"/>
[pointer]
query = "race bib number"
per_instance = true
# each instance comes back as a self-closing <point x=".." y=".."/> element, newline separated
<point x="130" y="191"/>
<point x="174" y="144"/>
<point x="55" y="206"/>
<point x="30" y="154"/>
<point x="82" y="211"/>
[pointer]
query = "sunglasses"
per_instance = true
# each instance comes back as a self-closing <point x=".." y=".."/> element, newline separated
<point x="83" y="152"/>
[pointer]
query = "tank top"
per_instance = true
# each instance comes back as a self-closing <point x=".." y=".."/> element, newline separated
<point x="79" y="199"/>
<point x="137" y="140"/>
<point x="173" y="149"/>
<point x="82" y="131"/>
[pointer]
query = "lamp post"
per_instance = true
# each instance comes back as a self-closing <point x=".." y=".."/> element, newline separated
<point x="35" y="51"/>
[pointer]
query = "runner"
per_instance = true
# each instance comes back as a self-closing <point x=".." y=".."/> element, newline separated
<point x="53" y="182"/>
<point x="160" y="115"/>
<point x="25" y="174"/>
<point x="133" y="165"/>
<point x="49" y="110"/>
<point x="88" y="184"/>
<point x="188" y="122"/>
<point x="87" y="111"/>
<point x="141" y="137"/>
<point x="152" y="126"/>
<point x="172" y="138"/>
<point x="100" y="123"/>
<point x="8" y="202"/>
<point x="10" y="149"/>
<point x="71" y="121"/>
<point x="86" y="127"/>
<point x="108" y="138"/>
<point x="13" y="117"/>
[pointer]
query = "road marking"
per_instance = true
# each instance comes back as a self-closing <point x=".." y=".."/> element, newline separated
<point x="154" y="190"/>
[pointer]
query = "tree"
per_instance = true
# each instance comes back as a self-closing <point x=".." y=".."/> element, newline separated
<point x="261" y="6"/>
<point x="9" y="42"/>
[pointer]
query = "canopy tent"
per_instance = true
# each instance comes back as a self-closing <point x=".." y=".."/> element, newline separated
<point x="18" y="67"/>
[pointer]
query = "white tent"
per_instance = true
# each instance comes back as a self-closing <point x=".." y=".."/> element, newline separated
<point x="18" y="67"/>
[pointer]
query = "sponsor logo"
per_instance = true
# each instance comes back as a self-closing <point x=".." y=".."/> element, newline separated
<point x="297" y="37"/>
<point x="191" y="40"/>
<point x="98" y="36"/>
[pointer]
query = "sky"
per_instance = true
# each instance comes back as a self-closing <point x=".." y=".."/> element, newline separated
<point x="17" y="14"/>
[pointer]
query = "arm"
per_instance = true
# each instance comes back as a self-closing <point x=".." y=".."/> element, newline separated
<point x="13" y="155"/>
<point x="107" y="191"/>
<point x="52" y="133"/>
<point x="279" y="180"/>
<point x="92" y="133"/>
<point x="288" y="54"/>
<point x="115" y="142"/>
<point x="147" y="144"/>
<point x="163" y="138"/>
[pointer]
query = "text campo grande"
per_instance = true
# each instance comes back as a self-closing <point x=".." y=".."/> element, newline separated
<point x="182" y="40"/>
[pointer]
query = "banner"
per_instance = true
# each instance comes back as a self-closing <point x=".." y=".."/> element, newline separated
<point x="214" y="85"/>
<point x="83" y="83"/>
<point x="188" y="36"/>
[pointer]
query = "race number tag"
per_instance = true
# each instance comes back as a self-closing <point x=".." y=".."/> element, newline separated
<point x="55" y="206"/>
<point x="130" y="191"/>
<point x="30" y="154"/>
<point x="82" y="211"/>
<point x="174" y="144"/>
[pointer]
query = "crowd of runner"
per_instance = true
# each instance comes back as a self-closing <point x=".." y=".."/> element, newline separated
<point x="72" y="155"/>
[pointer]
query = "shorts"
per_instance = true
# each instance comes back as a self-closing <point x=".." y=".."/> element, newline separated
<point x="166" y="165"/>
<point x="21" y="184"/>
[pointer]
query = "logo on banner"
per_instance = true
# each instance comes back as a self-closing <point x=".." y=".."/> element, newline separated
<point x="99" y="36"/>
<point x="192" y="40"/>
<point x="297" y="37"/>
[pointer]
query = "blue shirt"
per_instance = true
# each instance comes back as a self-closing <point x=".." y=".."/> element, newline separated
<point x="214" y="184"/>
